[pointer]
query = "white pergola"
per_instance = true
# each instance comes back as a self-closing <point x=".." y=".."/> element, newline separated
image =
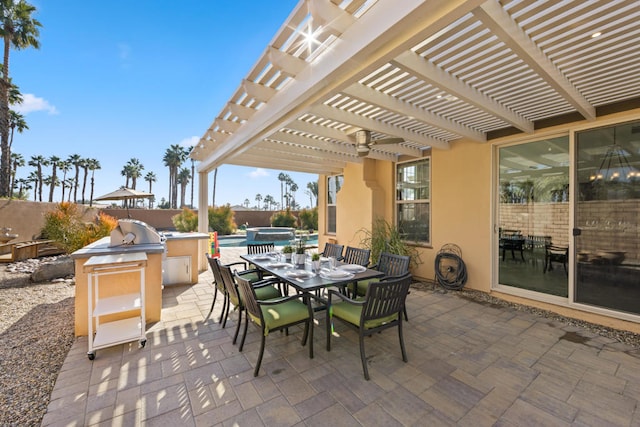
<point x="390" y="80"/>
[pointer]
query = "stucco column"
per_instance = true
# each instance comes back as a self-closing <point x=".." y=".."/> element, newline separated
<point x="365" y="196"/>
<point x="203" y="217"/>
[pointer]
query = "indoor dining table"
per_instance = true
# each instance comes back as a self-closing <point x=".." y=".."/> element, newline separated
<point x="307" y="281"/>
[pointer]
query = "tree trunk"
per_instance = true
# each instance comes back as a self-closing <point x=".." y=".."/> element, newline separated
<point x="5" y="161"/>
<point x="215" y="178"/>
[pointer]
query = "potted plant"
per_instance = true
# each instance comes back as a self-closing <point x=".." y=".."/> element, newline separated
<point x="287" y="251"/>
<point x="301" y="246"/>
<point x="315" y="262"/>
<point x="385" y="237"/>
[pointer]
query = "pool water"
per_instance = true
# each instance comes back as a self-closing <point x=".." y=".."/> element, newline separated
<point x="241" y="241"/>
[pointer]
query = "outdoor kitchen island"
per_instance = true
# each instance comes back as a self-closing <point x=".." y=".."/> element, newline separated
<point x="133" y="236"/>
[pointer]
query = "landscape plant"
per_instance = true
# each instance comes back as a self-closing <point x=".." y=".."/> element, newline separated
<point x="385" y="237"/>
<point x="283" y="219"/>
<point x="221" y="220"/>
<point x="186" y="221"/>
<point x="309" y="219"/>
<point x="66" y="227"/>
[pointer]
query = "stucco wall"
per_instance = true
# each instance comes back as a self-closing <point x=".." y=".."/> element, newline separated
<point x="26" y="218"/>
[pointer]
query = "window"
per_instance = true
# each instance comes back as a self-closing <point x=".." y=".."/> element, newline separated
<point x="413" y="207"/>
<point x="334" y="184"/>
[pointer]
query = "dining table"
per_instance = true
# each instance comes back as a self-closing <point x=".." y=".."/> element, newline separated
<point x="302" y="277"/>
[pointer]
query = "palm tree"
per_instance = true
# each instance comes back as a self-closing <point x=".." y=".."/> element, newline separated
<point x="282" y="177"/>
<point x="20" y="30"/>
<point x="150" y="177"/>
<point x="173" y="158"/>
<point x="85" y="171"/>
<point x="16" y="122"/>
<point x="38" y="162"/>
<point x="258" y="200"/>
<point x="17" y="161"/>
<point x="215" y="180"/>
<point x="312" y="192"/>
<point x="126" y="172"/>
<point x="53" y="161"/>
<point x="183" y="179"/>
<point x="268" y="201"/>
<point x="33" y="177"/>
<point x="23" y="186"/>
<point x="75" y="160"/>
<point x="292" y="189"/>
<point x="93" y="165"/>
<point x="246" y="203"/>
<point x="65" y="167"/>
<point x="135" y="171"/>
<point x="52" y="182"/>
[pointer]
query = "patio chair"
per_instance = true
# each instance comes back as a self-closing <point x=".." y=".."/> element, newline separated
<point x="357" y="256"/>
<point x="390" y="264"/>
<point x="555" y="253"/>
<point x="274" y="315"/>
<point x="264" y="290"/>
<point x="218" y="283"/>
<point x="381" y="309"/>
<point x="332" y="250"/>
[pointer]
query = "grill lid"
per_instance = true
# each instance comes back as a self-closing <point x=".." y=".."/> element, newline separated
<point x="134" y="232"/>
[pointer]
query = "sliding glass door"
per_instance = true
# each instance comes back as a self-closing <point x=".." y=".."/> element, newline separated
<point x="607" y="217"/>
<point x="533" y="216"/>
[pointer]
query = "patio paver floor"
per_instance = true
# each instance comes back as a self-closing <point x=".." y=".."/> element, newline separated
<point x="469" y="364"/>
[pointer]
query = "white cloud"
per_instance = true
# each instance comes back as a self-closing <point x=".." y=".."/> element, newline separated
<point x="190" y="142"/>
<point x="258" y="173"/>
<point x="31" y="103"/>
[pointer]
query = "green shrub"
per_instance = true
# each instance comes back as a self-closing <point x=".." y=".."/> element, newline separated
<point x="65" y="226"/>
<point x="309" y="218"/>
<point x="185" y="221"/>
<point x="283" y="219"/>
<point x="384" y="237"/>
<point x="221" y="220"/>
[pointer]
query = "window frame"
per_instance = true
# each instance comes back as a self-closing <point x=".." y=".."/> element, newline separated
<point x="398" y="202"/>
<point x="333" y="205"/>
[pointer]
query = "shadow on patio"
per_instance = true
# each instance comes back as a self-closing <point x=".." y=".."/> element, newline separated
<point x="469" y="364"/>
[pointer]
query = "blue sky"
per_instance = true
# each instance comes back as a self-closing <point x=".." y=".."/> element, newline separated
<point x="127" y="79"/>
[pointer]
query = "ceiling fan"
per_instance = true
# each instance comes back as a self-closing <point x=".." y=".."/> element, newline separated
<point x="364" y="141"/>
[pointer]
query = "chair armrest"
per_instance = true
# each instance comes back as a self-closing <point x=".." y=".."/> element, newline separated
<point x="265" y="282"/>
<point x="276" y="301"/>
<point x="344" y="298"/>
<point x="238" y="263"/>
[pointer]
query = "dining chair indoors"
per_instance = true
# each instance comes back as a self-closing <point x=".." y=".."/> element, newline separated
<point x="274" y="315"/>
<point x="381" y="308"/>
<point x="263" y="290"/>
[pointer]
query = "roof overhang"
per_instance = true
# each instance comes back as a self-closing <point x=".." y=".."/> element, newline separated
<point x="418" y="75"/>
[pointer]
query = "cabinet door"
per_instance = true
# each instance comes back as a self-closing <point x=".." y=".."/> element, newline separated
<point x="176" y="270"/>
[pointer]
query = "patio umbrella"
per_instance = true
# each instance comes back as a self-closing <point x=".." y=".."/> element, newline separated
<point x="125" y="194"/>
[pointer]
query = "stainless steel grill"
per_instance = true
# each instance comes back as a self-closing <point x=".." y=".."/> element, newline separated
<point x="134" y="232"/>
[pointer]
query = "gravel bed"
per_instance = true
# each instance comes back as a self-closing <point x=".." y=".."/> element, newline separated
<point x="36" y="333"/>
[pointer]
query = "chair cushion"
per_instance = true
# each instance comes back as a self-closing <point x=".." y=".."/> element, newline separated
<point x="278" y="315"/>
<point x="267" y="292"/>
<point x="252" y="277"/>
<point x="351" y="313"/>
<point x="362" y="286"/>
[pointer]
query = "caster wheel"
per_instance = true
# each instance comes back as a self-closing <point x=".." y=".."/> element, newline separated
<point x="91" y="356"/>
<point x="143" y="343"/>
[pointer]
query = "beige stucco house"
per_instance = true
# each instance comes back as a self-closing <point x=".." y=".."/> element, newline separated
<point x="510" y="128"/>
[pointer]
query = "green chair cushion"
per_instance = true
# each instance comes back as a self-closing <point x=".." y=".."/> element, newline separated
<point x="252" y="277"/>
<point x="278" y="315"/>
<point x="267" y="292"/>
<point x="352" y="313"/>
<point x="362" y="286"/>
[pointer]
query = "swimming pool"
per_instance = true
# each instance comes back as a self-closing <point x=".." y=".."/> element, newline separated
<point x="240" y="241"/>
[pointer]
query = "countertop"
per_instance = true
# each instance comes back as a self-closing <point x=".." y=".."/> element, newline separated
<point x="101" y="247"/>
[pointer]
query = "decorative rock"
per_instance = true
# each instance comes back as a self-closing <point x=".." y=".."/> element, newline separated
<point x="59" y="268"/>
